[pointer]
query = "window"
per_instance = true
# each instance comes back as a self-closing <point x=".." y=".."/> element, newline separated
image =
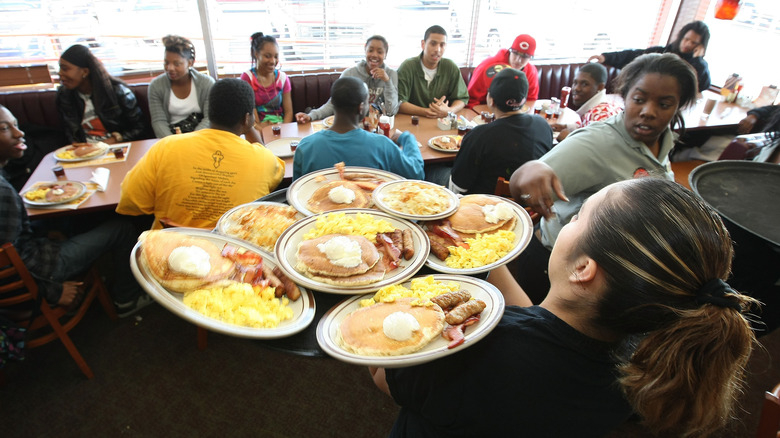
<point x="318" y="34"/>
<point x="746" y="45"/>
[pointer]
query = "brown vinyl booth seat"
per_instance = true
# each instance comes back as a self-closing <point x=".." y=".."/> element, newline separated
<point x="309" y="90"/>
<point x="315" y="87"/>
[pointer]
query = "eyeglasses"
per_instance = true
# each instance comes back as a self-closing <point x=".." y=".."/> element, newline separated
<point x="521" y="54"/>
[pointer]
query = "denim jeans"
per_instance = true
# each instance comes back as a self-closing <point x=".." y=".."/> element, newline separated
<point x="115" y="237"/>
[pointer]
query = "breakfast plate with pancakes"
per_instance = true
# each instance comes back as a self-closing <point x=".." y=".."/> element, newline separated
<point x="305" y="254"/>
<point x="348" y="324"/>
<point x="149" y="263"/>
<point x="446" y="143"/>
<point x="469" y="220"/>
<point x="415" y="200"/>
<point x="310" y="194"/>
<point x="53" y="193"/>
<point x="80" y="152"/>
<point x="258" y="223"/>
<point x="327" y="122"/>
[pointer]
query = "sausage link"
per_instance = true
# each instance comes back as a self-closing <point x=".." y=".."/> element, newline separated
<point x="462" y="311"/>
<point x="450" y="299"/>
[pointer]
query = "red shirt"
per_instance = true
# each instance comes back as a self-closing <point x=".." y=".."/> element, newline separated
<point x="487" y="69"/>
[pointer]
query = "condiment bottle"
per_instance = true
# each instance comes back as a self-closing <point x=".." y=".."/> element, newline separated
<point x="565" y="96"/>
<point x="384" y="125"/>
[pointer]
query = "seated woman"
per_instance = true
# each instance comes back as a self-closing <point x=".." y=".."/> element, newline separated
<point x="179" y="98"/>
<point x="382" y="82"/>
<point x="632" y="144"/>
<point x="638" y="320"/>
<point x="271" y="86"/>
<point x="95" y="106"/>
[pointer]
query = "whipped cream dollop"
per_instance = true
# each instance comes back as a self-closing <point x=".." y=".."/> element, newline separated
<point x="190" y="260"/>
<point x="341" y="195"/>
<point x="342" y="251"/>
<point x="498" y="212"/>
<point x="57" y="191"/>
<point x="400" y="326"/>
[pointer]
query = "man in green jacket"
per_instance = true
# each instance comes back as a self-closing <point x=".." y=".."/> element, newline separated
<point x="430" y="85"/>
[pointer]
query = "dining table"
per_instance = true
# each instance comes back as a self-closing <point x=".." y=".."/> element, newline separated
<point x="82" y="172"/>
<point x="424" y="130"/>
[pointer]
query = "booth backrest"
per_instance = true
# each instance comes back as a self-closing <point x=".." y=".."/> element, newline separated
<point x="39" y="107"/>
<point x="309" y="90"/>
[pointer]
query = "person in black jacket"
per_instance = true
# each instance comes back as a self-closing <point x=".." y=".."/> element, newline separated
<point x="95" y="106"/>
<point x="690" y="45"/>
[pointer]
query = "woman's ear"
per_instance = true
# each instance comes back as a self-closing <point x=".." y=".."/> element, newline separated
<point x="84" y="72"/>
<point x="585" y="270"/>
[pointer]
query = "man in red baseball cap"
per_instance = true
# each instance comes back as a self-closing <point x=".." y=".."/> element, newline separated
<point x="517" y="57"/>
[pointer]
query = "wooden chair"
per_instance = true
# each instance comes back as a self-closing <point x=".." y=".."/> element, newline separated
<point x="203" y="334"/>
<point x="769" y="424"/>
<point x="502" y="189"/>
<point x="44" y="322"/>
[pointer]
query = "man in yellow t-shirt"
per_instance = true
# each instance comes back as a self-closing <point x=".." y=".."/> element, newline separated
<point x="193" y="178"/>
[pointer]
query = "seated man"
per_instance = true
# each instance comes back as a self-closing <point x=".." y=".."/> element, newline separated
<point x="430" y="85"/>
<point x="498" y="148"/>
<point x="346" y="140"/>
<point x="589" y="98"/>
<point x="518" y="57"/>
<point x="193" y="178"/>
<point x="53" y="262"/>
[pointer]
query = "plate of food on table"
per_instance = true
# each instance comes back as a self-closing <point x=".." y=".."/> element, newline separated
<point x="484" y="233"/>
<point x="351" y="251"/>
<point x="328" y="121"/>
<point x="413" y="322"/>
<point x="415" y="200"/>
<point x="53" y="193"/>
<point x="81" y="152"/>
<point x="446" y="143"/>
<point x="337" y="188"/>
<point x="220" y="283"/>
<point x="258" y="223"/>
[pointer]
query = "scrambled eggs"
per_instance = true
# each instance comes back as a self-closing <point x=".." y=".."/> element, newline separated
<point x="423" y="289"/>
<point x="67" y="155"/>
<point x="361" y="224"/>
<point x="241" y="304"/>
<point x="36" y="195"/>
<point x="483" y="250"/>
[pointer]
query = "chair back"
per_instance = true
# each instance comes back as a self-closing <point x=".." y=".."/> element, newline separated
<point x="769" y="423"/>
<point x="16" y="283"/>
<point x="44" y="322"/>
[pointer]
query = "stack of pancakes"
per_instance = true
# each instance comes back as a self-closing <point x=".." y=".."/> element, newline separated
<point x="320" y="200"/>
<point x="315" y="264"/>
<point x="157" y="246"/>
<point x="470" y="219"/>
<point x="361" y="332"/>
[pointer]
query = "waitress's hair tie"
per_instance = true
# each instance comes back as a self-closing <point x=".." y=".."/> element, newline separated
<point x="715" y="292"/>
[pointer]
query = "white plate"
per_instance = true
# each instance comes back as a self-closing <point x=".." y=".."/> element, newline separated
<point x="300" y="191"/>
<point x="381" y="192"/>
<point x="287" y="248"/>
<point x="226" y="222"/>
<point x="303" y="308"/>
<point x="75" y="160"/>
<point x="82" y="189"/>
<point x="328" y="327"/>
<point x="281" y="146"/>
<point x="434" y="147"/>
<point x="327" y="122"/>
<point x="524" y="229"/>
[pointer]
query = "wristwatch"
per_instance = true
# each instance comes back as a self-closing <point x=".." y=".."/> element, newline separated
<point x="117" y="136"/>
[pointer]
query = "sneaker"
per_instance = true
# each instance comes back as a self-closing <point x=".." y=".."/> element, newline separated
<point x="126" y="309"/>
